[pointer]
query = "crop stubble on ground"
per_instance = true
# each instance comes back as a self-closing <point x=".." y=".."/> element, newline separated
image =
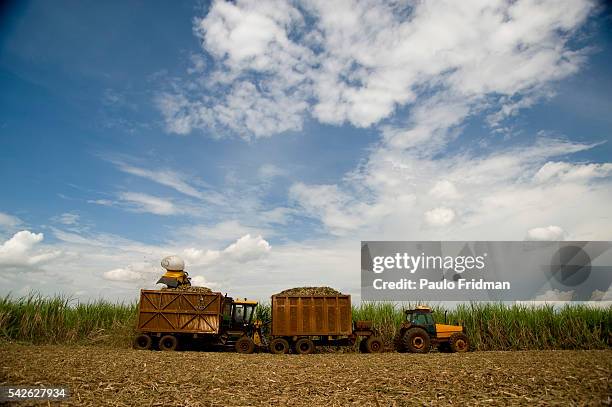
<point x="98" y="375"/>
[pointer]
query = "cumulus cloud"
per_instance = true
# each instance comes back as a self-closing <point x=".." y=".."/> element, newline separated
<point x="444" y="189"/>
<point x="22" y="250"/>
<point x="245" y="249"/>
<point x="357" y="61"/>
<point x="439" y="216"/>
<point x="122" y="274"/>
<point x="552" y="233"/>
<point x="555" y="295"/>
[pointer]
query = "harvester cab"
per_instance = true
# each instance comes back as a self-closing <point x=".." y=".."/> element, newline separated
<point x="419" y="332"/>
<point x="239" y="321"/>
<point x="175" y="275"/>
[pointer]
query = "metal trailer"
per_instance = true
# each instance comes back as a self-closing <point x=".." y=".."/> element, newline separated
<point x="169" y="320"/>
<point x="302" y="322"/>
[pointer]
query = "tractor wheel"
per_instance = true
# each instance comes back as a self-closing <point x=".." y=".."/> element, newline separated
<point x="459" y="342"/>
<point x="168" y="342"/>
<point x="374" y="344"/>
<point x="398" y="342"/>
<point x="279" y="346"/>
<point x="444" y="347"/>
<point x="416" y="340"/>
<point x="304" y="346"/>
<point x="245" y="345"/>
<point x="143" y="342"/>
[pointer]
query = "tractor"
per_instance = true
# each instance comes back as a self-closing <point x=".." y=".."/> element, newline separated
<point x="418" y="333"/>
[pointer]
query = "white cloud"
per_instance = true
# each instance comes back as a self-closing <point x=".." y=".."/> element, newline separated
<point x="270" y="171"/>
<point x="8" y="221"/>
<point x="599" y="295"/>
<point x="555" y="295"/>
<point x="439" y="216"/>
<point x="357" y="61"/>
<point x="245" y="249"/>
<point x="248" y="248"/>
<point x="201" y="281"/>
<point x="67" y="218"/>
<point x="552" y="233"/>
<point x="444" y="189"/>
<point x="122" y="274"/>
<point x="22" y="250"/>
<point x="386" y="197"/>
<point x="166" y="177"/>
<point x="147" y="203"/>
<point x="103" y="202"/>
<point x="564" y="171"/>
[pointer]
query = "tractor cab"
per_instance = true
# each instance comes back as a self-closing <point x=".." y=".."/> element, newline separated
<point x="421" y="316"/>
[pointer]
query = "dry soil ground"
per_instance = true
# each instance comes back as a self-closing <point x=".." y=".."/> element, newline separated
<point x="106" y="376"/>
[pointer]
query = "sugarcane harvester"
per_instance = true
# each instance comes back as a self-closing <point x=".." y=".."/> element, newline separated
<point x="185" y="316"/>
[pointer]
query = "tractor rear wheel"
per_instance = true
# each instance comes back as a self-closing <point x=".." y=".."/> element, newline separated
<point x="304" y="346"/>
<point x="416" y="340"/>
<point x="143" y="342"/>
<point x="459" y="342"/>
<point x="374" y="344"/>
<point x="279" y="346"/>
<point x="245" y="345"/>
<point x="168" y="343"/>
<point x="398" y="342"/>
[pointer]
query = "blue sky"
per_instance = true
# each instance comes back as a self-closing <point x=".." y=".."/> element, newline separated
<point x="262" y="141"/>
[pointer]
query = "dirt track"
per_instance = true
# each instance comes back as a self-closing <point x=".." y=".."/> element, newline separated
<point x="98" y="376"/>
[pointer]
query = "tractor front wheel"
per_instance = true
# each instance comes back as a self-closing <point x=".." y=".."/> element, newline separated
<point x="416" y="340"/>
<point x="168" y="343"/>
<point x="459" y="342"/>
<point x="245" y="345"/>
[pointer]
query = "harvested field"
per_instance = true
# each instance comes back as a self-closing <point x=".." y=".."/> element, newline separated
<point x="99" y="375"/>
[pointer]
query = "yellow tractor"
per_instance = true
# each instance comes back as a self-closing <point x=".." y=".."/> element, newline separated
<point x="418" y="333"/>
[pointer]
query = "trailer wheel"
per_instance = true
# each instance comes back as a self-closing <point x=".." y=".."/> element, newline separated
<point x="168" y="342"/>
<point x="304" y="346"/>
<point x="143" y="342"/>
<point x="245" y="345"/>
<point x="459" y="342"/>
<point x="374" y="344"/>
<point x="416" y="340"/>
<point x="279" y="346"/>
